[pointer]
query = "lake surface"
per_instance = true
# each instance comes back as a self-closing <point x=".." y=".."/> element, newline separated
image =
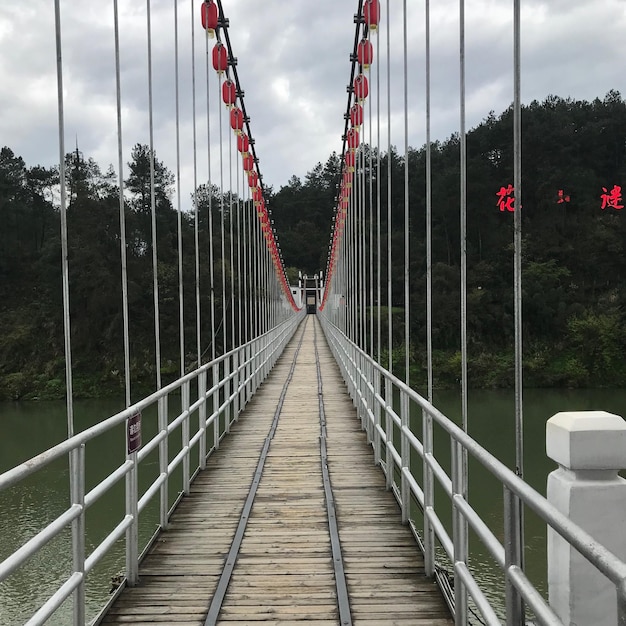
<point x="30" y="428"/>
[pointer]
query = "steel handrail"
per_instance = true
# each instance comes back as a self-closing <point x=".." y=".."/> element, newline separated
<point x="263" y="352"/>
<point x="352" y="361"/>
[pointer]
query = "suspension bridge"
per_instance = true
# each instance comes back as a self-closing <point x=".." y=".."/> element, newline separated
<point x="289" y="475"/>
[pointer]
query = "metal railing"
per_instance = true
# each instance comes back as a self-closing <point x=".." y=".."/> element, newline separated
<point x="224" y="386"/>
<point x="383" y="404"/>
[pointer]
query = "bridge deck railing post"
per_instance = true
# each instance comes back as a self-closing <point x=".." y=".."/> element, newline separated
<point x="216" y="405"/>
<point x="376" y="409"/>
<point x="405" y="453"/>
<point x="388" y="433"/>
<point x="202" y="420"/>
<point x="163" y="462"/>
<point x="185" y="437"/>
<point x="590" y="448"/>
<point x="77" y="462"/>
<point x="429" y="494"/>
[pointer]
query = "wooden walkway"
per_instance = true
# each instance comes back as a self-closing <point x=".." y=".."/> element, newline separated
<point x="284" y="572"/>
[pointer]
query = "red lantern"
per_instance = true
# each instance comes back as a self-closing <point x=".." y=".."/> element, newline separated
<point x="229" y="92"/>
<point x="353" y="138"/>
<point x="253" y="179"/>
<point x="243" y="144"/>
<point x="371" y="13"/>
<point x="236" y="120"/>
<point x="349" y="159"/>
<point x="209" y="15"/>
<point x="356" y="115"/>
<point x="220" y="58"/>
<point x="257" y="194"/>
<point x="361" y="87"/>
<point x="248" y="163"/>
<point x="365" y="53"/>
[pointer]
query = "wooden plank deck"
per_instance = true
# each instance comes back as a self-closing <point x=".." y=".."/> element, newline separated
<point x="284" y="573"/>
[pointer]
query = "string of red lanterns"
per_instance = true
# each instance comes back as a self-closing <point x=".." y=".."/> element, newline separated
<point x="210" y="18"/>
<point x="359" y="89"/>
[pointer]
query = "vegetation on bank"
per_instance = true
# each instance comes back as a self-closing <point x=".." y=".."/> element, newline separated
<point x="574" y="261"/>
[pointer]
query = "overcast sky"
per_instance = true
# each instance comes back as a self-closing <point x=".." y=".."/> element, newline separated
<point x="293" y="64"/>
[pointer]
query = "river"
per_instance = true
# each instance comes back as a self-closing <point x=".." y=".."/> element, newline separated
<point x="30" y="428"/>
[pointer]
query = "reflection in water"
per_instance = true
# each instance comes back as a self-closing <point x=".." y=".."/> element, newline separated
<point x="31" y="428"/>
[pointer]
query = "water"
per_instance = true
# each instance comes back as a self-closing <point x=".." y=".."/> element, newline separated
<point x="491" y="423"/>
<point x="30" y="428"/>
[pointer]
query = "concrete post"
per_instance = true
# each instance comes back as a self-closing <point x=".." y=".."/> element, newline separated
<point x="590" y="448"/>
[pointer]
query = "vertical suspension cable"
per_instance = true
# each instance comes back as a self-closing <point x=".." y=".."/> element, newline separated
<point x="246" y="273"/>
<point x="264" y="280"/>
<point x="181" y="318"/>
<point x="517" y="274"/>
<point x="240" y="338"/>
<point x="461" y="543"/>
<point x="371" y="230"/>
<point x="378" y="216"/>
<point x="222" y="242"/>
<point x="363" y="253"/>
<point x="407" y="337"/>
<point x="210" y="198"/>
<point x="463" y="214"/>
<point x="120" y="164"/>
<point x="254" y="223"/>
<point x="355" y="257"/>
<point x="517" y="222"/>
<point x="429" y="254"/>
<point x="155" y="278"/>
<point x="349" y="263"/>
<point x="389" y="287"/>
<point x="230" y="237"/>
<point x="196" y="225"/>
<point x="64" y="261"/>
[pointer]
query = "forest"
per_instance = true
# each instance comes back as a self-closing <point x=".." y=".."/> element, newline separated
<point x="574" y="266"/>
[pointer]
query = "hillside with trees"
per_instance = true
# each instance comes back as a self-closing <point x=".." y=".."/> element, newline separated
<point x="574" y="262"/>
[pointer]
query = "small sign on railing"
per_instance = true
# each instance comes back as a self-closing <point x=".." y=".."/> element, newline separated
<point x="133" y="432"/>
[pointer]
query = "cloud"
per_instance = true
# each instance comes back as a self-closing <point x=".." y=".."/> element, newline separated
<point x="293" y="64"/>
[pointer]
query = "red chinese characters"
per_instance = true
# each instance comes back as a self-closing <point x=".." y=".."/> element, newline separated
<point x="505" y="199"/>
<point x="610" y="199"/>
<point x="562" y="197"/>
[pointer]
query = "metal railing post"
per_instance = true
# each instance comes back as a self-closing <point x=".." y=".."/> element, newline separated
<point x="429" y="495"/>
<point x="216" y="404"/>
<point x="376" y="410"/>
<point x="360" y="396"/>
<point x="237" y="385"/>
<point x="202" y="419"/>
<point x="621" y="604"/>
<point x="77" y="468"/>
<point x="405" y="453"/>
<point x="185" y="435"/>
<point x="132" y="534"/>
<point x="459" y="533"/>
<point x="248" y="372"/>
<point x="388" y="433"/>
<point x="370" y="401"/>
<point x="163" y="462"/>
<point x="513" y="557"/>
<point x="255" y="365"/>
<point x="227" y="386"/>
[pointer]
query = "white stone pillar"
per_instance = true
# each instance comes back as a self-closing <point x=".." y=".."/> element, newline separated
<point x="590" y="448"/>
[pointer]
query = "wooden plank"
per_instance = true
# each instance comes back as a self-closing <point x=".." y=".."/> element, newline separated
<point x="284" y="574"/>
